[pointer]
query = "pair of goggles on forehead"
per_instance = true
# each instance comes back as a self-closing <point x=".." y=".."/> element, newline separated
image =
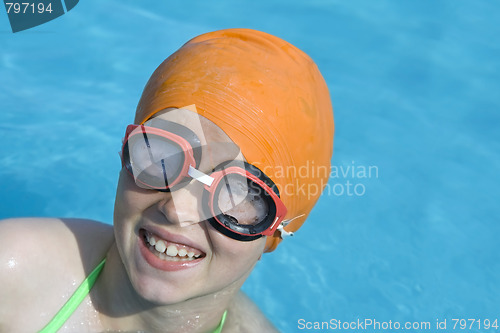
<point x="239" y="200"/>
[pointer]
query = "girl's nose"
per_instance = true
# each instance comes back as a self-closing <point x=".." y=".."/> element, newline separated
<point x="184" y="205"/>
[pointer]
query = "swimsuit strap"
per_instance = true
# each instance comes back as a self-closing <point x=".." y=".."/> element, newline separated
<point x="222" y="321"/>
<point x="78" y="297"/>
<point x="75" y="300"/>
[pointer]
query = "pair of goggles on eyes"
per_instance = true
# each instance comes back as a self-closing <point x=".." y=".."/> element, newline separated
<point x="239" y="200"/>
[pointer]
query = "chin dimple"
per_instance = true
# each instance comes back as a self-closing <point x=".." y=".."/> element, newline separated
<point x="166" y="250"/>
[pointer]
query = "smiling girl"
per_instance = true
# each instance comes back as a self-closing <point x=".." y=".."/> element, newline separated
<point x="200" y="198"/>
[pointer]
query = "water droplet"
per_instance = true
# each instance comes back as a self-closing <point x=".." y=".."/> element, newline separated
<point x="11" y="263"/>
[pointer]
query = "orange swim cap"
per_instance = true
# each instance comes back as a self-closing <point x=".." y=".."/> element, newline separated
<point x="270" y="99"/>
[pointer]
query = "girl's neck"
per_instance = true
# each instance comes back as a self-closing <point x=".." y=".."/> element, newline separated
<point x="121" y="308"/>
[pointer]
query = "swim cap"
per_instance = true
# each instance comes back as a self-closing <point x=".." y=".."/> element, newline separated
<point x="270" y="99"/>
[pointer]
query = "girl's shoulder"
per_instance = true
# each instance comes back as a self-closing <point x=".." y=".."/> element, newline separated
<point x="42" y="262"/>
<point x="46" y="242"/>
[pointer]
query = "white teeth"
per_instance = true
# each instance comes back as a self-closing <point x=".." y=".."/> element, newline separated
<point x="172" y="250"/>
<point x="160" y="246"/>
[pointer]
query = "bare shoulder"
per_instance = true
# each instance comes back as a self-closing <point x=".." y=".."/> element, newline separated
<point x="42" y="240"/>
<point x="245" y="316"/>
<point x="43" y="260"/>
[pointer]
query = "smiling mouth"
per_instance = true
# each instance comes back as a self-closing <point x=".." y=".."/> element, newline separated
<point x="169" y="251"/>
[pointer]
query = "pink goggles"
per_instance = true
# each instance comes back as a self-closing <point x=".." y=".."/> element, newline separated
<point x="239" y="199"/>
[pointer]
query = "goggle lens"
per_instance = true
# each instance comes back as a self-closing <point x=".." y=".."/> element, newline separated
<point x="239" y="200"/>
<point x="155" y="162"/>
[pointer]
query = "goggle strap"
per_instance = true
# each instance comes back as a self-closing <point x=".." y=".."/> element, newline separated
<point x="200" y="176"/>
<point x="281" y="228"/>
<point x="283" y="233"/>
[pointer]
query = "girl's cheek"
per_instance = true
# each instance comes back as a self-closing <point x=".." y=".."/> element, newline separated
<point x="132" y="199"/>
<point x="242" y="251"/>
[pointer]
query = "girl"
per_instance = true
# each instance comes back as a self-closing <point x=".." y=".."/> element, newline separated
<point x="217" y="169"/>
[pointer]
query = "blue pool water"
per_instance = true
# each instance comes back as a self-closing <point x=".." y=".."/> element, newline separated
<point x="415" y="87"/>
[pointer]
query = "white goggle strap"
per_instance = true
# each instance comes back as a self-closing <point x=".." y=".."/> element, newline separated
<point x="281" y="227"/>
<point x="200" y="176"/>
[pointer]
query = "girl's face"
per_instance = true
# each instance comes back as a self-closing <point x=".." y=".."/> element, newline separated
<point x="169" y="250"/>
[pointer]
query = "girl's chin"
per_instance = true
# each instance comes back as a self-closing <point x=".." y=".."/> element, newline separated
<point x="177" y="283"/>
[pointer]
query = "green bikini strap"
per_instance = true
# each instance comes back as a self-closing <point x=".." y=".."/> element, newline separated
<point x="221" y="325"/>
<point x="75" y="300"/>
